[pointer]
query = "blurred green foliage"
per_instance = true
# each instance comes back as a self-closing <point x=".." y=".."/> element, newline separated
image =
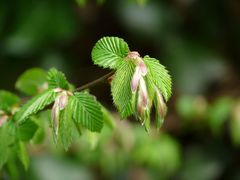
<point x="198" y="40"/>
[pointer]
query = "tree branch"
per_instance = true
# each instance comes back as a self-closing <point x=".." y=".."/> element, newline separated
<point x="95" y="82"/>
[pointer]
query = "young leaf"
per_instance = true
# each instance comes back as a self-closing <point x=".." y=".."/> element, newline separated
<point x="32" y="81"/>
<point x="27" y="130"/>
<point x="159" y="75"/>
<point x="57" y="79"/>
<point x="8" y="100"/>
<point x="66" y="126"/>
<point x="23" y="155"/>
<point x="109" y="52"/>
<point x="87" y="111"/>
<point x="7" y="138"/>
<point x="35" y="105"/>
<point x="108" y="118"/>
<point x="121" y="89"/>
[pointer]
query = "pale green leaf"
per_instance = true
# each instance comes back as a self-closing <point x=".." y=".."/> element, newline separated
<point x="108" y="118"/>
<point x="7" y="139"/>
<point x="66" y="125"/>
<point x="8" y="100"/>
<point x="109" y="52"/>
<point x="27" y="130"/>
<point x="121" y="88"/>
<point x="57" y="79"/>
<point x="160" y="76"/>
<point x="87" y="111"/>
<point x="32" y="81"/>
<point x="35" y="105"/>
<point x="23" y="155"/>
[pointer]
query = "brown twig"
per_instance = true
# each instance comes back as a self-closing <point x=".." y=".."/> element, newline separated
<point x="95" y="82"/>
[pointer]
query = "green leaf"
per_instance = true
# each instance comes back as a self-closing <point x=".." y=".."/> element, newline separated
<point x="7" y="139"/>
<point x="109" y="52"/>
<point x="8" y="100"/>
<point x="32" y="81"/>
<point x="57" y="79"/>
<point x="27" y="130"/>
<point x="66" y="125"/>
<point x="108" y="118"/>
<point x="159" y="75"/>
<point x="35" y="105"/>
<point x="87" y="111"/>
<point x="121" y="88"/>
<point x="23" y="155"/>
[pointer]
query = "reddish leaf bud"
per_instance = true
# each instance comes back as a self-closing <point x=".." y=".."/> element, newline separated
<point x="63" y="100"/>
<point x="135" y="80"/>
<point x="143" y="94"/>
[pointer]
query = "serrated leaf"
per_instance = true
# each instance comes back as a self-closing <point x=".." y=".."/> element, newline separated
<point x="121" y="88"/>
<point x="23" y="155"/>
<point x="32" y="81"/>
<point x="109" y="52"/>
<point x="35" y="105"/>
<point x="66" y="125"/>
<point x="159" y="75"/>
<point x="8" y="100"/>
<point x="27" y="130"/>
<point x="87" y="111"/>
<point x="57" y="79"/>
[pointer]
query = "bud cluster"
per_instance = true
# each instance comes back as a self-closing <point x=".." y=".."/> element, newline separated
<point x="138" y="85"/>
<point x="139" y="89"/>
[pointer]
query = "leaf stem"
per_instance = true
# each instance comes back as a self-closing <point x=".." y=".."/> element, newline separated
<point x="95" y="82"/>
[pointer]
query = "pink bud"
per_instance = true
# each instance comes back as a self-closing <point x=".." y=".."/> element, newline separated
<point x="161" y="106"/>
<point x="55" y="116"/>
<point x="3" y="119"/>
<point x="135" y="79"/>
<point x="63" y="100"/>
<point x="143" y="94"/>
<point x="133" y="55"/>
<point x="143" y="67"/>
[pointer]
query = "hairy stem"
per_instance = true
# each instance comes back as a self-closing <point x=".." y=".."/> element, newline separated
<point x="95" y="82"/>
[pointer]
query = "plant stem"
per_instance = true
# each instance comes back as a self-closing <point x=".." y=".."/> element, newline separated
<point x="95" y="82"/>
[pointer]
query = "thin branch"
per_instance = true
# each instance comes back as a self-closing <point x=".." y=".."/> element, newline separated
<point x="95" y="82"/>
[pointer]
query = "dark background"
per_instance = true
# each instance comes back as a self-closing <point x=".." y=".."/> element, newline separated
<point x="197" y="40"/>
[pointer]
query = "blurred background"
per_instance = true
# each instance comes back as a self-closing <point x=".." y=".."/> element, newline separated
<point x="199" y="43"/>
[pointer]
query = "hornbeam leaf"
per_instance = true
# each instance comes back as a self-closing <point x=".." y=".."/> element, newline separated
<point x="66" y="125"/>
<point x="32" y="81"/>
<point x="121" y="88"/>
<point x="36" y="104"/>
<point x="159" y="75"/>
<point x="87" y="111"/>
<point x="8" y="100"/>
<point x="109" y="52"/>
<point x="57" y="79"/>
<point x="23" y="155"/>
